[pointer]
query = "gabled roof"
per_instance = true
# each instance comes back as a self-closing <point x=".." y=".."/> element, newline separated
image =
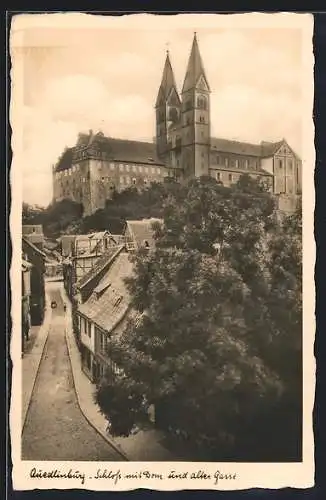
<point x="262" y="150"/>
<point x="270" y="148"/>
<point x="89" y="243"/>
<point x="236" y="147"/>
<point x="117" y="150"/>
<point x="65" y="160"/>
<point x="110" y="303"/>
<point x="195" y="68"/>
<point x="167" y="82"/>
<point x="32" y="229"/>
<point x="102" y="262"/>
<point x="142" y="230"/>
<point x="33" y="247"/>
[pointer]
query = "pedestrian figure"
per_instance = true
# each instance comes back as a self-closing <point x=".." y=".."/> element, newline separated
<point x="64" y="307"/>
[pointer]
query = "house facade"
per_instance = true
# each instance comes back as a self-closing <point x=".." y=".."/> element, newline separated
<point x="183" y="148"/>
<point x="103" y="304"/>
<point x="34" y="233"/>
<point x="102" y="311"/>
<point x="26" y="300"/>
<point x="36" y="258"/>
<point x="81" y="252"/>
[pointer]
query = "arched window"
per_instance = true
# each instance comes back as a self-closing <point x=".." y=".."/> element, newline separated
<point x="173" y="115"/>
<point x="201" y="102"/>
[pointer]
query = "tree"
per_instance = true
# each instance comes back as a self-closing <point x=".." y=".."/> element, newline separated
<point x="60" y="217"/>
<point x="220" y="304"/>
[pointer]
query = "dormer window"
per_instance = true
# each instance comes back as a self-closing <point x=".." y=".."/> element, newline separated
<point x="100" y="289"/>
<point x="118" y="301"/>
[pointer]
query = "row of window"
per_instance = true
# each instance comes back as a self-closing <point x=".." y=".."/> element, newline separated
<point x="103" y="341"/>
<point x="189" y="120"/>
<point x="173" y="115"/>
<point x="288" y="164"/>
<point x="201" y="103"/>
<point x="85" y="327"/>
<point x="68" y="171"/>
<point x="237" y="163"/>
<point x="128" y="180"/>
<point x="103" y="345"/>
<point x="136" y="168"/>
<point x="122" y="167"/>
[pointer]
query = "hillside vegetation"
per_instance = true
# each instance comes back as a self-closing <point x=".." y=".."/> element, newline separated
<point x="66" y="216"/>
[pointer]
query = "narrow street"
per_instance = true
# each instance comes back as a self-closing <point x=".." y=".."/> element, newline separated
<point x="55" y="428"/>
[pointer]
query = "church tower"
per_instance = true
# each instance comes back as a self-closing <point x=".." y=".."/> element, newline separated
<point x="168" y="109"/>
<point x="195" y="117"/>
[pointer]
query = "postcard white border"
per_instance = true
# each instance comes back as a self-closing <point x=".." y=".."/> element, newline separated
<point x="298" y="475"/>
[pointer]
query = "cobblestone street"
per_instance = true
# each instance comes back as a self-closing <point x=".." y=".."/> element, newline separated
<point x="55" y="428"/>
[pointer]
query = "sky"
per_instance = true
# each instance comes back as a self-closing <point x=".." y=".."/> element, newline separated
<point x="104" y="74"/>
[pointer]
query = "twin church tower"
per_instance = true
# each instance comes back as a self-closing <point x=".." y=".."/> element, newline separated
<point x="183" y="123"/>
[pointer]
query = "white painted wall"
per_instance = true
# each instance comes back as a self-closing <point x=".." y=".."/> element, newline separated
<point x="87" y="341"/>
<point x="267" y="164"/>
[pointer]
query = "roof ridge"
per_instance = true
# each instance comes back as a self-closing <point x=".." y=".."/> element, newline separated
<point x="89" y="275"/>
<point x="34" y="247"/>
<point x="126" y="140"/>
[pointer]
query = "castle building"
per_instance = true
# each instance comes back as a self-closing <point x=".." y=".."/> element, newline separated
<point x="183" y="148"/>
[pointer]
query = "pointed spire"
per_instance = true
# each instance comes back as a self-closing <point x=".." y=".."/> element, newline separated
<point x="195" y="67"/>
<point x="168" y="80"/>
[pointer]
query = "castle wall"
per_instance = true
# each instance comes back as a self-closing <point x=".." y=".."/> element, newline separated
<point x="73" y="183"/>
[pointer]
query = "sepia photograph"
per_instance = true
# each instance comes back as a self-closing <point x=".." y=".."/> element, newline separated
<point x="162" y="225"/>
